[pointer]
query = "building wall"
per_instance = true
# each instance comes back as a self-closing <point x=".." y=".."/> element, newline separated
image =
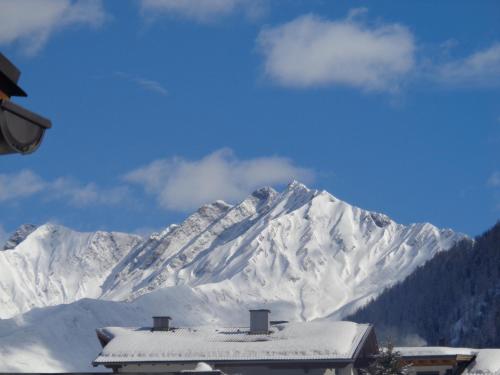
<point x="248" y="370"/>
<point x="239" y="370"/>
<point x="156" y="368"/>
<point x="441" y="369"/>
<point x="347" y="370"/>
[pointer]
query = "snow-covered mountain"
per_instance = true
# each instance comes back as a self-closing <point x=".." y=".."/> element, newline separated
<point x="51" y="265"/>
<point x="302" y="247"/>
<point x="302" y="253"/>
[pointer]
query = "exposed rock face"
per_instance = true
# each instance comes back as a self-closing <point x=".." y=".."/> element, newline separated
<point x="19" y="236"/>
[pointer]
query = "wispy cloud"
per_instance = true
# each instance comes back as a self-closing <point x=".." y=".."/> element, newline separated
<point x="494" y="180"/>
<point x="312" y="51"/>
<point x="146" y="84"/>
<point x="481" y="68"/>
<point x="178" y="184"/>
<point x="4" y="236"/>
<point x="183" y="185"/>
<point x="19" y="185"/>
<point x="448" y="45"/>
<point x="494" y="183"/>
<point x="151" y="85"/>
<point x="203" y="11"/>
<point x="80" y="195"/>
<point x="26" y="183"/>
<point x="146" y="232"/>
<point x="31" y="23"/>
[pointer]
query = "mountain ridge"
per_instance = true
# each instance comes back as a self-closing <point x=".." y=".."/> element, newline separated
<point x="304" y="246"/>
<point x="19" y="236"/>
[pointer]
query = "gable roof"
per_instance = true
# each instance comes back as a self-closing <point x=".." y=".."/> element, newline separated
<point x="310" y="341"/>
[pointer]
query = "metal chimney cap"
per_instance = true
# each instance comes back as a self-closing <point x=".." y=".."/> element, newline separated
<point x="267" y="310"/>
<point x="162" y="317"/>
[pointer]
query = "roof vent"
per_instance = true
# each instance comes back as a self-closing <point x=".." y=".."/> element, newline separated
<point x="161" y="323"/>
<point x="259" y="321"/>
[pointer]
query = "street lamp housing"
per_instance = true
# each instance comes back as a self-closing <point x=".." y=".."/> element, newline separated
<point x="21" y="131"/>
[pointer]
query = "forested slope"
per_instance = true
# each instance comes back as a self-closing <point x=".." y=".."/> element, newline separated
<point x="453" y="299"/>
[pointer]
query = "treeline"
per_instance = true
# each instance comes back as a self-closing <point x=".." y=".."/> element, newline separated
<point x="454" y="299"/>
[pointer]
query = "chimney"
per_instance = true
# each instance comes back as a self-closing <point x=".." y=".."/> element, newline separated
<point x="259" y="321"/>
<point x="161" y="323"/>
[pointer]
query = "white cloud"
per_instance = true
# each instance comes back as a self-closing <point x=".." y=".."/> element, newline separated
<point x="481" y="68"/>
<point x="201" y="10"/>
<point x="494" y="180"/>
<point x="18" y="185"/>
<point x="26" y="183"/>
<point x="145" y="83"/>
<point x="81" y="195"/>
<point x="312" y="51"/>
<point x="182" y="185"/>
<point x="151" y="85"/>
<point x="32" y="22"/>
<point x="177" y="183"/>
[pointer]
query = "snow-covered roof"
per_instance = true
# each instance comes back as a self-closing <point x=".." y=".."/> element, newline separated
<point x="428" y="351"/>
<point x="487" y="362"/>
<point x="324" y="340"/>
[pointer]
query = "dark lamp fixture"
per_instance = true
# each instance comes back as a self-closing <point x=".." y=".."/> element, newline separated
<point x="21" y="131"/>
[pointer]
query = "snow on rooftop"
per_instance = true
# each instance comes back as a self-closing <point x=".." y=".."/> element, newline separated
<point x="288" y="341"/>
<point x="487" y="362"/>
<point x="424" y="351"/>
<point x="201" y="367"/>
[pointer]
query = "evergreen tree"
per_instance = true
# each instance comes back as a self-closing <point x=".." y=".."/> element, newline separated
<point x="387" y="362"/>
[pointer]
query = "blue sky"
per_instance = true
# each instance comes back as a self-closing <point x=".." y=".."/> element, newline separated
<point x="159" y="106"/>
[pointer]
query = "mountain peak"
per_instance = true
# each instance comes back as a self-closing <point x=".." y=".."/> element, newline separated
<point x="212" y="210"/>
<point x="297" y="185"/>
<point x="19" y="236"/>
<point x="264" y="193"/>
<point x="218" y="204"/>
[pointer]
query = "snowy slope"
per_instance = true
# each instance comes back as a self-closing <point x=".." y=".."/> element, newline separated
<point x="304" y="247"/>
<point x="63" y="338"/>
<point x="487" y="362"/>
<point x="53" y="265"/>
